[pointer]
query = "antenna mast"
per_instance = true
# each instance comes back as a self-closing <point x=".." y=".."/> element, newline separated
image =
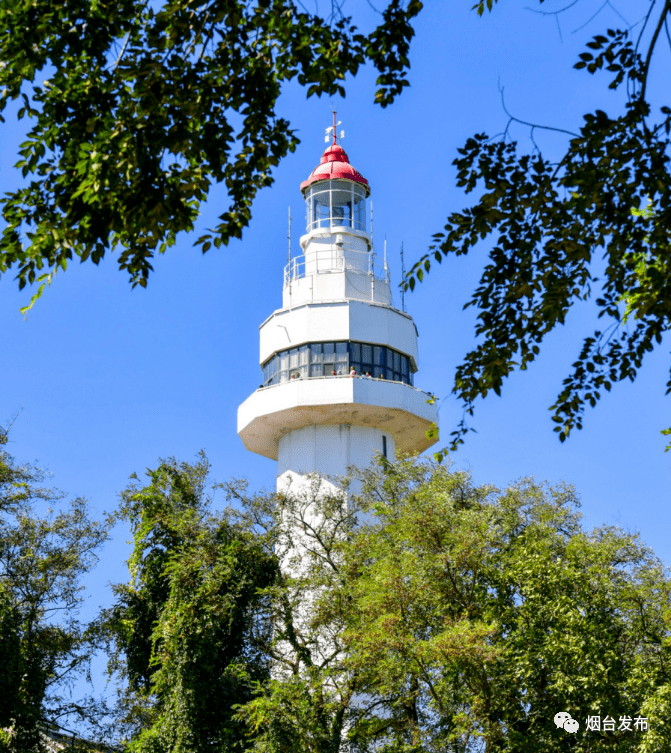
<point x="372" y="245"/>
<point x="403" y="278"/>
<point x="332" y="132"/>
<point x="289" y="239"/>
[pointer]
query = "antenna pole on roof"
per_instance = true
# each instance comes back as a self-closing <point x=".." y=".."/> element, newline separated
<point x="289" y="239"/>
<point x="372" y="245"/>
<point x="403" y="278"/>
<point x="386" y="272"/>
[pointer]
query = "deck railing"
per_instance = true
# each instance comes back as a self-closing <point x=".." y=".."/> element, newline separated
<point x="341" y="376"/>
<point x="331" y="260"/>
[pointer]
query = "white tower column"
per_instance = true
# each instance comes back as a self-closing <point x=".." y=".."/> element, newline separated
<point x="311" y="415"/>
<point x="328" y="451"/>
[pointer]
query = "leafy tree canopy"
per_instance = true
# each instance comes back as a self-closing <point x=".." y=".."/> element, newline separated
<point x="183" y="628"/>
<point x="553" y="224"/>
<point x="44" y="646"/>
<point x="138" y="108"/>
<point x="429" y="614"/>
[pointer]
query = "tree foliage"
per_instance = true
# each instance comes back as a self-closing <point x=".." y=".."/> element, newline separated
<point x="429" y="614"/>
<point x="554" y="224"/>
<point x="183" y="627"/>
<point x="139" y="108"/>
<point x="44" y="646"/>
<point x="477" y="612"/>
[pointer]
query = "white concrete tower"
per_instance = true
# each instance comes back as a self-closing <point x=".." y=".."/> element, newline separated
<point x="337" y="316"/>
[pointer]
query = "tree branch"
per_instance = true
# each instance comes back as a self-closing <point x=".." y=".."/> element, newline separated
<point x="653" y="42"/>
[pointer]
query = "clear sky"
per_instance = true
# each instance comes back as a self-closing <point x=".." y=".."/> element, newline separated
<point x="109" y="379"/>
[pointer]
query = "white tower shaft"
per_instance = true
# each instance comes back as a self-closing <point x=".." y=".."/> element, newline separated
<point x="338" y="362"/>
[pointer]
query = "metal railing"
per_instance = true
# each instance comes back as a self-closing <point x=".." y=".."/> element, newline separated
<point x="341" y="376"/>
<point x="330" y="260"/>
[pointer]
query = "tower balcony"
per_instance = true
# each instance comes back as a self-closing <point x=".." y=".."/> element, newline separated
<point x="393" y="407"/>
<point x="333" y="259"/>
<point x="337" y="263"/>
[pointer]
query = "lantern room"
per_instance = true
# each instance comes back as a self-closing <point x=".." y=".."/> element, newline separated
<point x="338" y="261"/>
<point x="335" y="204"/>
<point x="335" y="193"/>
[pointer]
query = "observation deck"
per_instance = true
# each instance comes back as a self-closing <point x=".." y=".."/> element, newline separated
<point x="399" y="409"/>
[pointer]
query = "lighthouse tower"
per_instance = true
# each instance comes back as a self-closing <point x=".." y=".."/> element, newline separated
<point x="337" y="316"/>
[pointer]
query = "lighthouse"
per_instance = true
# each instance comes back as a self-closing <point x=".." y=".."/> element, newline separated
<point x="338" y="358"/>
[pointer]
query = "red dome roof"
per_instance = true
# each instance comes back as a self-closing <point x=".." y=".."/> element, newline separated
<point x="334" y="165"/>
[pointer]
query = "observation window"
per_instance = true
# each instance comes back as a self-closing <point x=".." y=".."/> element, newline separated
<point x="326" y="359"/>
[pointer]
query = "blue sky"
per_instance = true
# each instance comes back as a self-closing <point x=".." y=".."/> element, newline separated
<point x="109" y="379"/>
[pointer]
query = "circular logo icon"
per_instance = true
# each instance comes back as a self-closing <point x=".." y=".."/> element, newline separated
<point x="561" y="718"/>
<point x="570" y="725"/>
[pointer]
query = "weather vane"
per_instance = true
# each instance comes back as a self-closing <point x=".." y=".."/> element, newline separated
<point x="331" y="130"/>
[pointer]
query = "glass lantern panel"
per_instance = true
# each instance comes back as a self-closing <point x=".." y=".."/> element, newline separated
<point x="319" y="207"/>
<point x="355" y="352"/>
<point x="317" y="356"/>
<point x="341" y="203"/>
<point x="367" y="354"/>
<point x="359" y="208"/>
<point x="293" y="355"/>
<point x="316" y="370"/>
<point x="341" y="352"/>
<point x="303" y="355"/>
